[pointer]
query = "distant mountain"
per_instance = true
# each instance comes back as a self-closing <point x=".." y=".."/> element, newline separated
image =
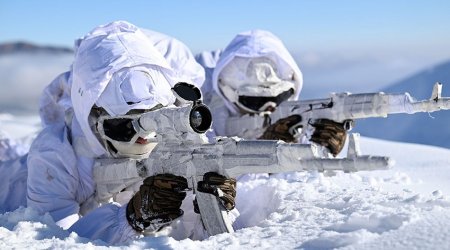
<point x="19" y="47"/>
<point x="433" y="128"/>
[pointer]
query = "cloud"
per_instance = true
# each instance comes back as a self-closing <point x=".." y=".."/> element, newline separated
<point x="339" y="71"/>
<point x="23" y="76"/>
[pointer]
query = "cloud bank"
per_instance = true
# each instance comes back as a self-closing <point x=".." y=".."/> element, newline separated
<point x="23" y="76"/>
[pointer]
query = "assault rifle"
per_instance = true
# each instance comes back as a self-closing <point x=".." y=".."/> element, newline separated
<point x="184" y="150"/>
<point x="339" y="107"/>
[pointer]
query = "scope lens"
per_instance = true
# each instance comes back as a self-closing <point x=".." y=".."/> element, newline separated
<point x="200" y="118"/>
<point x="196" y="118"/>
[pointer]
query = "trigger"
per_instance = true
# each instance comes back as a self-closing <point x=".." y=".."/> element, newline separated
<point x="348" y="125"/>
<point x="296" y="130"/>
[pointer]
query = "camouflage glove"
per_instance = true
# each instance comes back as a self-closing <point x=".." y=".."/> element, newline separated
<point x="280" y="129"/>
<point x="212" y="183"/>
<point x="157" y="202"/>
<point x="329" y="134"/>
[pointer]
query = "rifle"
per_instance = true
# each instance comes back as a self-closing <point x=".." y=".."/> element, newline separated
<point x="339" y="107"/>
<point x="184" y="150"/>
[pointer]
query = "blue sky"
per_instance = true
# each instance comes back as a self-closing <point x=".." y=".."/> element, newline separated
<point x="206" y="25"/>
<point x="350" y="44"/>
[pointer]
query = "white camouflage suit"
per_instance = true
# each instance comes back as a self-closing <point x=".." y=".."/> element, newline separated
<point x="61" y="159"/>
<point x="249" y="44"/>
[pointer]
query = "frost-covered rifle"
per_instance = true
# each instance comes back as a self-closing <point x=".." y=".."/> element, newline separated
<point x="184" y="150"/>
<point x="340" y="107"/>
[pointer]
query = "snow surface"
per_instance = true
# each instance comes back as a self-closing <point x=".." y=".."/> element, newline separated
<point x="406" y="207"/>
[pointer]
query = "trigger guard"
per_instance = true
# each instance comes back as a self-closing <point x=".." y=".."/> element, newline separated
<point x="348" y="125"/>
<point x="296" y="130"/>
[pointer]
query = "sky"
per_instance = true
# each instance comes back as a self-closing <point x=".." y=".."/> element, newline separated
<point x="206" y="25"/>
<point x="346" y="45"/>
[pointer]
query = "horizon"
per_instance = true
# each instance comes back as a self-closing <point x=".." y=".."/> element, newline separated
<point x="339" y="46"/>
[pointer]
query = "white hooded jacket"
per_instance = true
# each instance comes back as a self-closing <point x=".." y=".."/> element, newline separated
<point x="250" y="44"/>
<point x="61" y="159"/>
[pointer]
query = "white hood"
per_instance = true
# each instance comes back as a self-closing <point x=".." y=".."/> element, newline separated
<point x="179" y="57"/>
<point x="55" y="100"/>
<point x="117" y="47"/>
<point x="258" y="43"/>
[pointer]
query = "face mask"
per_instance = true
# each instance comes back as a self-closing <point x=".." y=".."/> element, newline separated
<point x="256" y="104"/>
<point x="253" y="85"/>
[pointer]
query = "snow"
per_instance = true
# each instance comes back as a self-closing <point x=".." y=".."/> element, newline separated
<point x="406" y="207"/>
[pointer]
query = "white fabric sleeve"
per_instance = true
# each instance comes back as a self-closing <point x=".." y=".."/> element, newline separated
<point x="13" y="184"/>
<point x="52" y="175"/>
<point x="53" y="181"/>
<point x="107" y="223"/>
<point x="55" y="99"/>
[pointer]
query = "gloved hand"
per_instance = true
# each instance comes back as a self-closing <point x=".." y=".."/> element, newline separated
<point x="212" y="182"/>
<point x="157" y="202"/>
<point x="329" y="134"/>
<point x="280" y="129"/>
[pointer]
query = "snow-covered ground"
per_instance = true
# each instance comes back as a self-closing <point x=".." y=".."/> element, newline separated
<point x="406" y="207"/>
